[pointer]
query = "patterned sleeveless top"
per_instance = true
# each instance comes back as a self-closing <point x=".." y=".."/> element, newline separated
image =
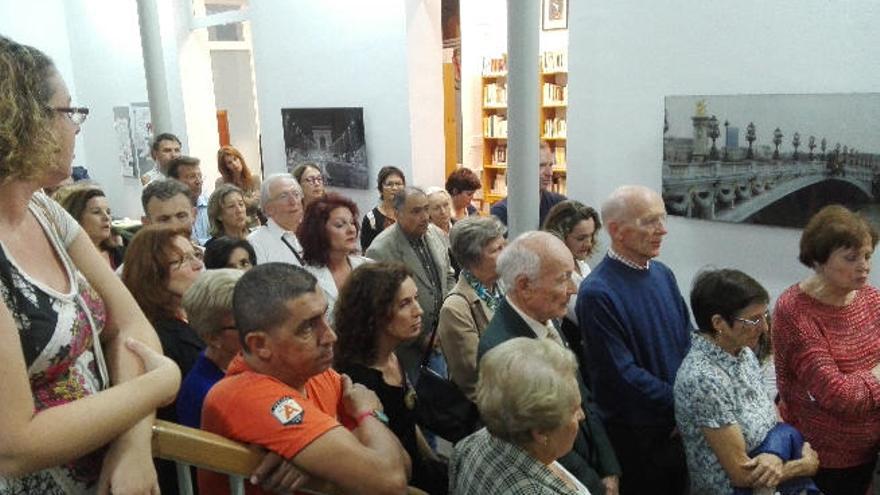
<point x="57" y="334"/>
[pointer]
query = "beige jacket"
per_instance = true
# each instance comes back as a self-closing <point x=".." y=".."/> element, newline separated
<point x="462" y="321"/>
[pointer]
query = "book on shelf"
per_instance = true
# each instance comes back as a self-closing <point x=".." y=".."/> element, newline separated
<point x="495" y="126"/>
<point x="554" y="61"/>
<point x="499" y="154"/>
<point x="560" y="185"/>
<point x="559" y="155"/>
<point x="554" y="94"/>
<point x="554" y="127"/>
<point x="495" y="94"/>
<point x="499" y="187"/>
<point x="495" y="65"/>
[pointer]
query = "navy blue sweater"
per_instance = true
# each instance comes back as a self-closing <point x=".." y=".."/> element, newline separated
<point x="637" y="330"/>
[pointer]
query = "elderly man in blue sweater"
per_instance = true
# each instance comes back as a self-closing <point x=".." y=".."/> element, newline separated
<point x="637" y="331"/>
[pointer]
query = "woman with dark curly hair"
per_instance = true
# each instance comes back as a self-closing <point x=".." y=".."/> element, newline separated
<point x="233" y="170"/>
<point x="461" y="186"/>
<point x="389" y="182"/>
<point x="377" y="311"/>
<point x="329" y="236"/>
<point x="226" y="252"/>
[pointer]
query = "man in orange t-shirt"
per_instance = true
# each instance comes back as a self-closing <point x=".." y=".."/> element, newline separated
<point x="281" y="394"/>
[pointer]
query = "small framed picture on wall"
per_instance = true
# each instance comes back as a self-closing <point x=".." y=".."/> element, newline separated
<point x="554" y="14"/>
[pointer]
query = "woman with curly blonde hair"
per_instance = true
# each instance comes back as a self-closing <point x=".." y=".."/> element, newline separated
<point x="73" y="343"/>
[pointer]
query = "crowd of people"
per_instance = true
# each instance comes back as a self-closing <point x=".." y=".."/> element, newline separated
<point x="273" y="313"/>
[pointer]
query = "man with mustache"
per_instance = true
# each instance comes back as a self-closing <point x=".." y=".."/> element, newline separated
<point x="418" y="244"/>
<point x="637" y="330"/>
<point x="281" y="394"/>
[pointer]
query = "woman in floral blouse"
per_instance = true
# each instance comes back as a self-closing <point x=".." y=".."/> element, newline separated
<point x="721" y="409"/>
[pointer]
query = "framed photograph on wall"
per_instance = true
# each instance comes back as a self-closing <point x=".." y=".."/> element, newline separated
<point x="331" y="138"/>
<point x="554" y="14"/>
<point x="771" y="159"/>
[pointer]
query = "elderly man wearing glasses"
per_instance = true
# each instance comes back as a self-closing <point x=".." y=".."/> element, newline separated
<point x="637" y="330"/>
<point x="281" y="201"/>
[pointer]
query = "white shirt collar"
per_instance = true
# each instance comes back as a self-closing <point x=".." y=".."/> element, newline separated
<point x="542" y="330"/>
<point x="626" y="261"/>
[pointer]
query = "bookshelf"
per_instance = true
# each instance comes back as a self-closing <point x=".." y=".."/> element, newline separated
<point x="554" y="103"/>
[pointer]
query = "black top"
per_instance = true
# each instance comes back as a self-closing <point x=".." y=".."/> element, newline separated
<point x="180" y="343"/>
<point x="371" y="227"/>
<point x="401" y="421"/>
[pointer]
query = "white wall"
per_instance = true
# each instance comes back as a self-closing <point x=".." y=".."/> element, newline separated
<point x="108" y="70"/>
<point x="234" y="92"/>
<point x="627" y="55"/>
<point x="18" y="21"/>
<point x="346" y="53"/>
<point x="424" y="42"/>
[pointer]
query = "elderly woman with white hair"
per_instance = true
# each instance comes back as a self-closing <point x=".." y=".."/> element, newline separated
<point x="530" y="402"/>
<point x="440" y="208"/>
<point x="467" y="310"/>
<point x="208" y="305"/>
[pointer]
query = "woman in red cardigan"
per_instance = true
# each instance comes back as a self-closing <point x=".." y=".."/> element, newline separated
<point x="827" y="340"/>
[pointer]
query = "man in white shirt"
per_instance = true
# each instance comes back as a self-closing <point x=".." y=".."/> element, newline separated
<point x="166" y="147"/>
<point x="281" y="201"/>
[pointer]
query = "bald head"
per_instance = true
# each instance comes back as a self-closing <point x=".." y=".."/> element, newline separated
<point x="536" y="269"/>
<point x="627" y="202"/>
<point x="636" y="220"/>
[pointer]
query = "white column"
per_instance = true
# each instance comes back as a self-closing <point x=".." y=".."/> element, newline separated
<point x="154" y="66"/>
<point x="522" y="116"/>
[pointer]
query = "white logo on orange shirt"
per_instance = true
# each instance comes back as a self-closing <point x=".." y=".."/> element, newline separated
<point x="287" y="411"/>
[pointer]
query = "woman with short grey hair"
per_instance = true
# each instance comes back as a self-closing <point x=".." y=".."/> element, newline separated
<point x="208" y="306"/>
<point x="475" y="243"/>
<point x="530" y="402"/>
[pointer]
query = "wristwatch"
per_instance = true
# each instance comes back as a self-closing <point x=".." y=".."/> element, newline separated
<point x="374" y="413"/>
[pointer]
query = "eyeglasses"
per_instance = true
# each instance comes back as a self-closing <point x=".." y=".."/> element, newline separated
<point x="192" y="258"/>
<point x="290" y="194"/>
<point x="654" y="223"/>
<point x="757" y="321"/>
<point x="391" y="185"/>
<point x="77" y="115"/>
<point x="314" y="180"/>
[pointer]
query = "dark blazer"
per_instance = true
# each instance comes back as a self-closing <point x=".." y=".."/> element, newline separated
<point x="592" y="457"/>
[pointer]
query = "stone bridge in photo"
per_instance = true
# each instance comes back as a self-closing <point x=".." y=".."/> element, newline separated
<point x="734" y="191"/>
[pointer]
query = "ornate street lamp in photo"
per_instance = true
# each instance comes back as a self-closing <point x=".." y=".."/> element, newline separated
<point x="777" y="140"/>
<point x="713" y="134"/>
<point x="750" y="137"/>
<point x="822" y="145"/>
<point x="811" y="143"/>
<point x="726" y="137"/>
<point x="796" y="142"/>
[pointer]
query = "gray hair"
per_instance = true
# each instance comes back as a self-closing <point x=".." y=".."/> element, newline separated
<point x="400" y="197"/>
<point x="522" y="257"/>
<point x="209" y="300"/>
<point x="163" y="190"/>
<point x="526" y="385"/>
<point x="261" y="295"/>
<point x="434" y="190"/>
<point x="215" y="206"/>
<point x="267" y="183"/>
<point x="619" y="205"/>
<point x="469" y="236"/>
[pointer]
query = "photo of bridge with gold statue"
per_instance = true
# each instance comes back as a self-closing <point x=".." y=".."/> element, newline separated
<point x="830" y="156"/>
